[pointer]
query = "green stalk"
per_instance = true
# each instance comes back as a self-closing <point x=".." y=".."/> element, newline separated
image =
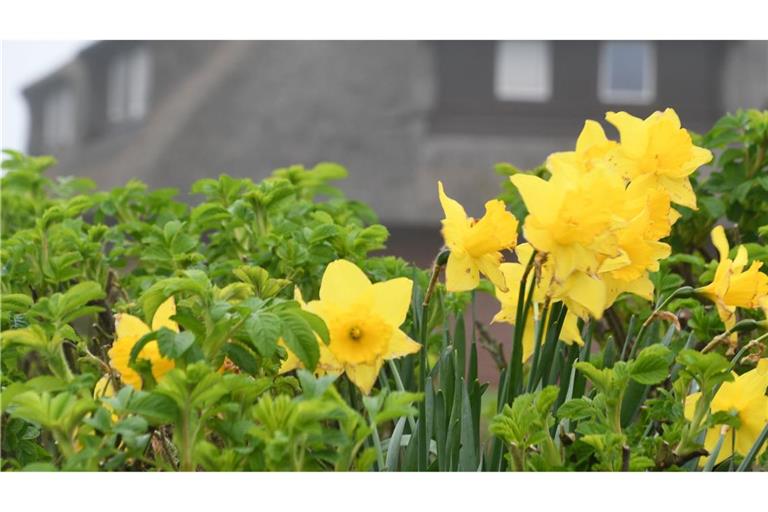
<point x="683" y="291"/>
<point x="377" y="445"/>
<point x="713" y="456"/>
<point x="541" y="328"/>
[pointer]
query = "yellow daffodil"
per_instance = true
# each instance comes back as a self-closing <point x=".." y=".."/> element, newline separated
<point x="593" y="150"/>
<point x="513" y="273"/>
<point x="744" y="397"/>
<point x="572" y="218"/>
<point x="661" y="150"/>
<point x="733" y="287"/>
<point x="128" y="330"/>
<point x="363" y="321"/>
<point x="647" y="219"/>
<point x="475" y="245"/>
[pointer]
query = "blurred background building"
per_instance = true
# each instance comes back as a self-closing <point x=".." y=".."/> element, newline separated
<point x="398" y="114"/>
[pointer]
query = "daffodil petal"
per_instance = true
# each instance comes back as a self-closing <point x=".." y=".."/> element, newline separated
<point x="453" y="210"/>
<point x="163" y="316"/>
<point x="392" y="299"/>
<point x="343" y="282"/>
<point x="461" y="273"/>
<point x="401" y="345"/>
<point x="128" y="326"/>
<point x="364" y="376"/>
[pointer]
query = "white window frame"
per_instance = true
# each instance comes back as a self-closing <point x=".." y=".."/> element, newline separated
<point x="505" y="91"/>
<point x="59" y="118"/>
<point x="128" y="85"/>
<point x="607" y="94"/>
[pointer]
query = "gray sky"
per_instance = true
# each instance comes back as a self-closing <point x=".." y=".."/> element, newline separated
<point x="24" y="62"/>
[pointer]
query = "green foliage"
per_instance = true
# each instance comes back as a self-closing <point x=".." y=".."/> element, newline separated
<point x="242" y="263"/>
<point x="71" y="262"/>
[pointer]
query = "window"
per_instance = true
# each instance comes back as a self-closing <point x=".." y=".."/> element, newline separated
<point x="128" y="86"/>
<point x="523" y="71"/>
<point x="59" y="119"/>
<point x="627" y="72"/>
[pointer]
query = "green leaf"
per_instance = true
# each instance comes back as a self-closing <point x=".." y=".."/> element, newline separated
<point x="263" y="331"/>
<point x="174" y="345"/>
<point x="300" y="339"/>
<point x="652" y="365"/>
<point x="242" y="357"/>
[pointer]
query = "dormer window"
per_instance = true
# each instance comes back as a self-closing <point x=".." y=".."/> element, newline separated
<point x="59" y="119"/>
<point x="523" y="71"/>
<point x="128" y="86"/>
<point x="627" y="72"/>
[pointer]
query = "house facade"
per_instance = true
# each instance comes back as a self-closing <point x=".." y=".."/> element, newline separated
<point x="398" y="114"/>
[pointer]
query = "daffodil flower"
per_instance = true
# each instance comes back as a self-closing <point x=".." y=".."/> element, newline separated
<point x="475" y="246"/>
<point x="572" y="218"/>
<point x="744" y="397"/>
<point x="363" y="321"/>
<point x="593" y="150"/>
<point x="733" y="287"/>
<point x="661" y="150"/>
<point x="513" y="274"/>
<point x="128" y="330"/>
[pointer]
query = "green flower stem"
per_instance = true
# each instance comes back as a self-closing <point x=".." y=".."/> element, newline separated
<point x="377" y="445"/>
<point x="743" y="325"/>
<point x="683" y="291"/>
<point x="713" y="456"/>
<point x="400" y="387"/>
<point x="541" y="329"/>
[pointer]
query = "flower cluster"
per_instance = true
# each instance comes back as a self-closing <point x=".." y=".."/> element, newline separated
<point x="595" y="224"/>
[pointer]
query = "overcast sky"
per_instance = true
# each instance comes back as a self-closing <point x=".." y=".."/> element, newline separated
<point x="24" y="62"/>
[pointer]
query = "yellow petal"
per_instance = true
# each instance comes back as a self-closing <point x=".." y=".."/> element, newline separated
<point x="103" y="388"/>
<point x="453" y="210"/>
<point x="392" y="299"/>
<point x="119" y="356"/>
<point x="587" y="292"/>
<point x="633" y="132"/>
<point x="343" y="282"/>
<point x="720" y="241"/>
<point x="538" y="196"/>
<point x="489" y="267"/>
<point x="163" y="316"/>
<point x="401" y="345"/>
<point x="570" y="333"/>
<point x="461" y="273"/>
<point x="680" y="191"/>
<point x="291" y="362"/>
<point x="690" y="405"/>
<point x="128" y="325"/>
<point x="591" y="135"/>
<point x="364" y="376"/>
